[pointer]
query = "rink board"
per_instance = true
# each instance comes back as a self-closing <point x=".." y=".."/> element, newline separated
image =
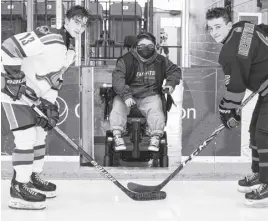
<point x="203" y="89"/>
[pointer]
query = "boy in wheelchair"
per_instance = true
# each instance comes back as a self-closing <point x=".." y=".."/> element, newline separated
<point x="137" y="81"/>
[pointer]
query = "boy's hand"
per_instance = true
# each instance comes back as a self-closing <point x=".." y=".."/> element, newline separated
<point x="130" y="102"/>
<point x="170" y="89"/>
<point x="229" y="117"/>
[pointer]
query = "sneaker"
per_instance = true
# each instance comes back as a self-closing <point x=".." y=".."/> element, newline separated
<point x="249" y="183"/>
<point x="154" y="143"/>
<point x="258" y="196"/>
<point x="23" y="197"/>
<point x="119" y="143"/>
<point x="42" y="186"/>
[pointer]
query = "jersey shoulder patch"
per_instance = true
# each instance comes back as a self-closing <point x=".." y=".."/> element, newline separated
<point x="42" y="31"/>
<point x="49" y="35"/>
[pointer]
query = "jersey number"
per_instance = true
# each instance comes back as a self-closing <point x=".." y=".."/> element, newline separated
<point x="27" y="39"/>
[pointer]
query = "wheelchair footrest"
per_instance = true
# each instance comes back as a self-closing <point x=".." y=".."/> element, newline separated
<point x="145" y="156"/>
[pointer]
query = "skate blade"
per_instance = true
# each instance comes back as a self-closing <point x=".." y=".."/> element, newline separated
<point x="243" y="189"/>
<point x="25" y="205"/>
<point x="257" y="203"/>
<point x="49" y="194"/>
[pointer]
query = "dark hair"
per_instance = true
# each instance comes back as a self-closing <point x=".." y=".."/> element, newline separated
<point x="219" y="13"/>
<point x="146" y="35"/>
<point x="78" y="11"/>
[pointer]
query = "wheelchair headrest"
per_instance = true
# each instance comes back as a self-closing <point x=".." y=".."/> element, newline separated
<point x="130" y="41"/>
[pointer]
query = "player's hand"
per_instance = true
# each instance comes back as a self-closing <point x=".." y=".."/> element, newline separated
<point x="52" y="113"/>
<point x="15" y="83"/>
<point x="229" y="117"/>
<point x="169" y="88"/>
<point x="130" y="102"/>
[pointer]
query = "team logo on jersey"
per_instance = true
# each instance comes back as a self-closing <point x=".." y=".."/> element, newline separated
<point x="44" y="30"/>
<point x="53" y="79"/>
<point x="263" y="38"/>
<point x="227" y="79"/>
<point x="245" y="40"/>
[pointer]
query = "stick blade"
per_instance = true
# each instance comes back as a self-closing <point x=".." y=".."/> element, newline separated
<point x="135" y="187"/>
<point x="158" y="195"/>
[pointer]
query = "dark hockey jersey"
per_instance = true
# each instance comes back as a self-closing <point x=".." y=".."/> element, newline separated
<point x="244" y="59"/>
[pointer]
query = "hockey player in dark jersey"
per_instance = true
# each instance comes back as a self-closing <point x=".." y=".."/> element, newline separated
<point x="244" y="59"/>
<point x="33" y="64"/>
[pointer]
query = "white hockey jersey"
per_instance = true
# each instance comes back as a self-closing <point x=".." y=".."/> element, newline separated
<point x="43" y="55"/>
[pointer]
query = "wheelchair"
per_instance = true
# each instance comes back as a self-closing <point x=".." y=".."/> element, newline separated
<point x="136" y="139"/>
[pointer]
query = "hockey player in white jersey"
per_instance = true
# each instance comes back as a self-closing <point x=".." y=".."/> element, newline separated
<point x="32" y="65"/>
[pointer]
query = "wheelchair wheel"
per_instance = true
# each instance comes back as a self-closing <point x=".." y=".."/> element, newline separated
<point x="108" y="157"/>
<point x="163" y="161"/>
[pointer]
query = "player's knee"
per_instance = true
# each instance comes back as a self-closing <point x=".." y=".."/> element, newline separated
<point x="262" y="138"/>
<point x="25" y="138"/>
<point x="41" y="136"/>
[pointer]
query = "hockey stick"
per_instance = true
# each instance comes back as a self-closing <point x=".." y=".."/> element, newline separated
<point x="143" y="188"/>
<point x="145" y="196"/>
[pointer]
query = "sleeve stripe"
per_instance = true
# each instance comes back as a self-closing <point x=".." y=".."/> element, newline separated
<point x="13" y="67"/>
<point x="54" y="42"/>
<point x="228" y="106"/>
<point x="7" y="52"/>
<point x="18" y="46"/>
<point x="7" y="60"/>
<point x="51" y="37"/>
<point x="230" y="101"/>
<point x="234" y="97"/>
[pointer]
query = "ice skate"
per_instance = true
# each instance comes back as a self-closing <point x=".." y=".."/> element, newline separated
<point x="42" y="186"/>
<point x="249" y="183"/>
<point x="258" y="197"/>
<point x="23" y="197"/>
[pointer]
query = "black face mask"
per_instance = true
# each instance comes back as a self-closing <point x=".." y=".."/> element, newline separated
<point x="146" y="51"/>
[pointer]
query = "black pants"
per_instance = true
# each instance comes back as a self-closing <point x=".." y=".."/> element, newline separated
<point x="259" y="138"/>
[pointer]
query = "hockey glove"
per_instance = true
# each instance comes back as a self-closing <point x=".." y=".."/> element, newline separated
<point x="229" y="117"/>
<point x="52" y="113"/>
<point x="15" y="84"/>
